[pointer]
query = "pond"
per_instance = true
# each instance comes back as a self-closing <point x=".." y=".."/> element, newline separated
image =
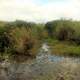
<point x="44" y="67"/>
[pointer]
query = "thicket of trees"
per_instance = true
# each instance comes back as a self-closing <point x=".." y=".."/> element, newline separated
<point x="24" y="38"/>
<point x="19" y="38"/>
<point x="64" y="30"/>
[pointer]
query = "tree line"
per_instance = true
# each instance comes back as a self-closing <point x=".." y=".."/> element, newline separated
<point x="24" y="38"/>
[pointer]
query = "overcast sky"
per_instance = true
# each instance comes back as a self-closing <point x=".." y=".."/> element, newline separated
<point x="39" y="10"/>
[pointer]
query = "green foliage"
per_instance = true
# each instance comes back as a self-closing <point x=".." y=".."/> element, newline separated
<point x="50" y="27"/>
<point x="24" y="38"/>
<point x="65" y="33"/>
<point x="17" y="39"/>
<point x="65" y="48"/>
<point x="5" y="42"/>
<point x="64" y="29"/>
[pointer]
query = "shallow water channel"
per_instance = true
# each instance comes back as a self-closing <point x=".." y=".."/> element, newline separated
<point x="44" y="67"/>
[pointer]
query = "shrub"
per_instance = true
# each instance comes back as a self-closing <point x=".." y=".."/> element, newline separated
<point x="5" y="41"/>
<point x="18" y="39"/>
<point x="24" y="43"/>
<point x="65" y="33"/>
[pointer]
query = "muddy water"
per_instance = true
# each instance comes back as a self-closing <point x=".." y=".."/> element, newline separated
<point x="44" y="67"/>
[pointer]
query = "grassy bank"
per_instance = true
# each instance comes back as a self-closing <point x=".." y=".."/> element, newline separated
<point x="64" y="48"/>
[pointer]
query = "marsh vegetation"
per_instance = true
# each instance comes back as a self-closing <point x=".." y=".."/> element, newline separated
<point x="38" y="51"/>
<point x="24" y="38"/>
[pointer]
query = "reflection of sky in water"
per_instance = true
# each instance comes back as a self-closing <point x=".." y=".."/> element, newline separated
<point x="55" y="58"/>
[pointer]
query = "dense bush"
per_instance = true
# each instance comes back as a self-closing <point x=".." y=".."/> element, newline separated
<point x="5" y="41"/>
<point x="50" y="28"/>
<point x="65" y="33"/>
<point x="17" y="39"/>
<point x="64" y="30"/>
<point x="24" y="42"/>
<point x="24" y="38"/>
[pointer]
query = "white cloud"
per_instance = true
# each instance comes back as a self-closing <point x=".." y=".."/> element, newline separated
<point x="31" y="10"/>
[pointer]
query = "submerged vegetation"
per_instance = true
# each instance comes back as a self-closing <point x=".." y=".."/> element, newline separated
<point x="20" y="38"/>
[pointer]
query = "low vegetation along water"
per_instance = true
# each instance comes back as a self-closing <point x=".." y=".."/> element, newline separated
<point x="44" y="67"/>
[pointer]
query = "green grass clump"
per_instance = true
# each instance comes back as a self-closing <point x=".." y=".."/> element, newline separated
<point x="65" y="48"/>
